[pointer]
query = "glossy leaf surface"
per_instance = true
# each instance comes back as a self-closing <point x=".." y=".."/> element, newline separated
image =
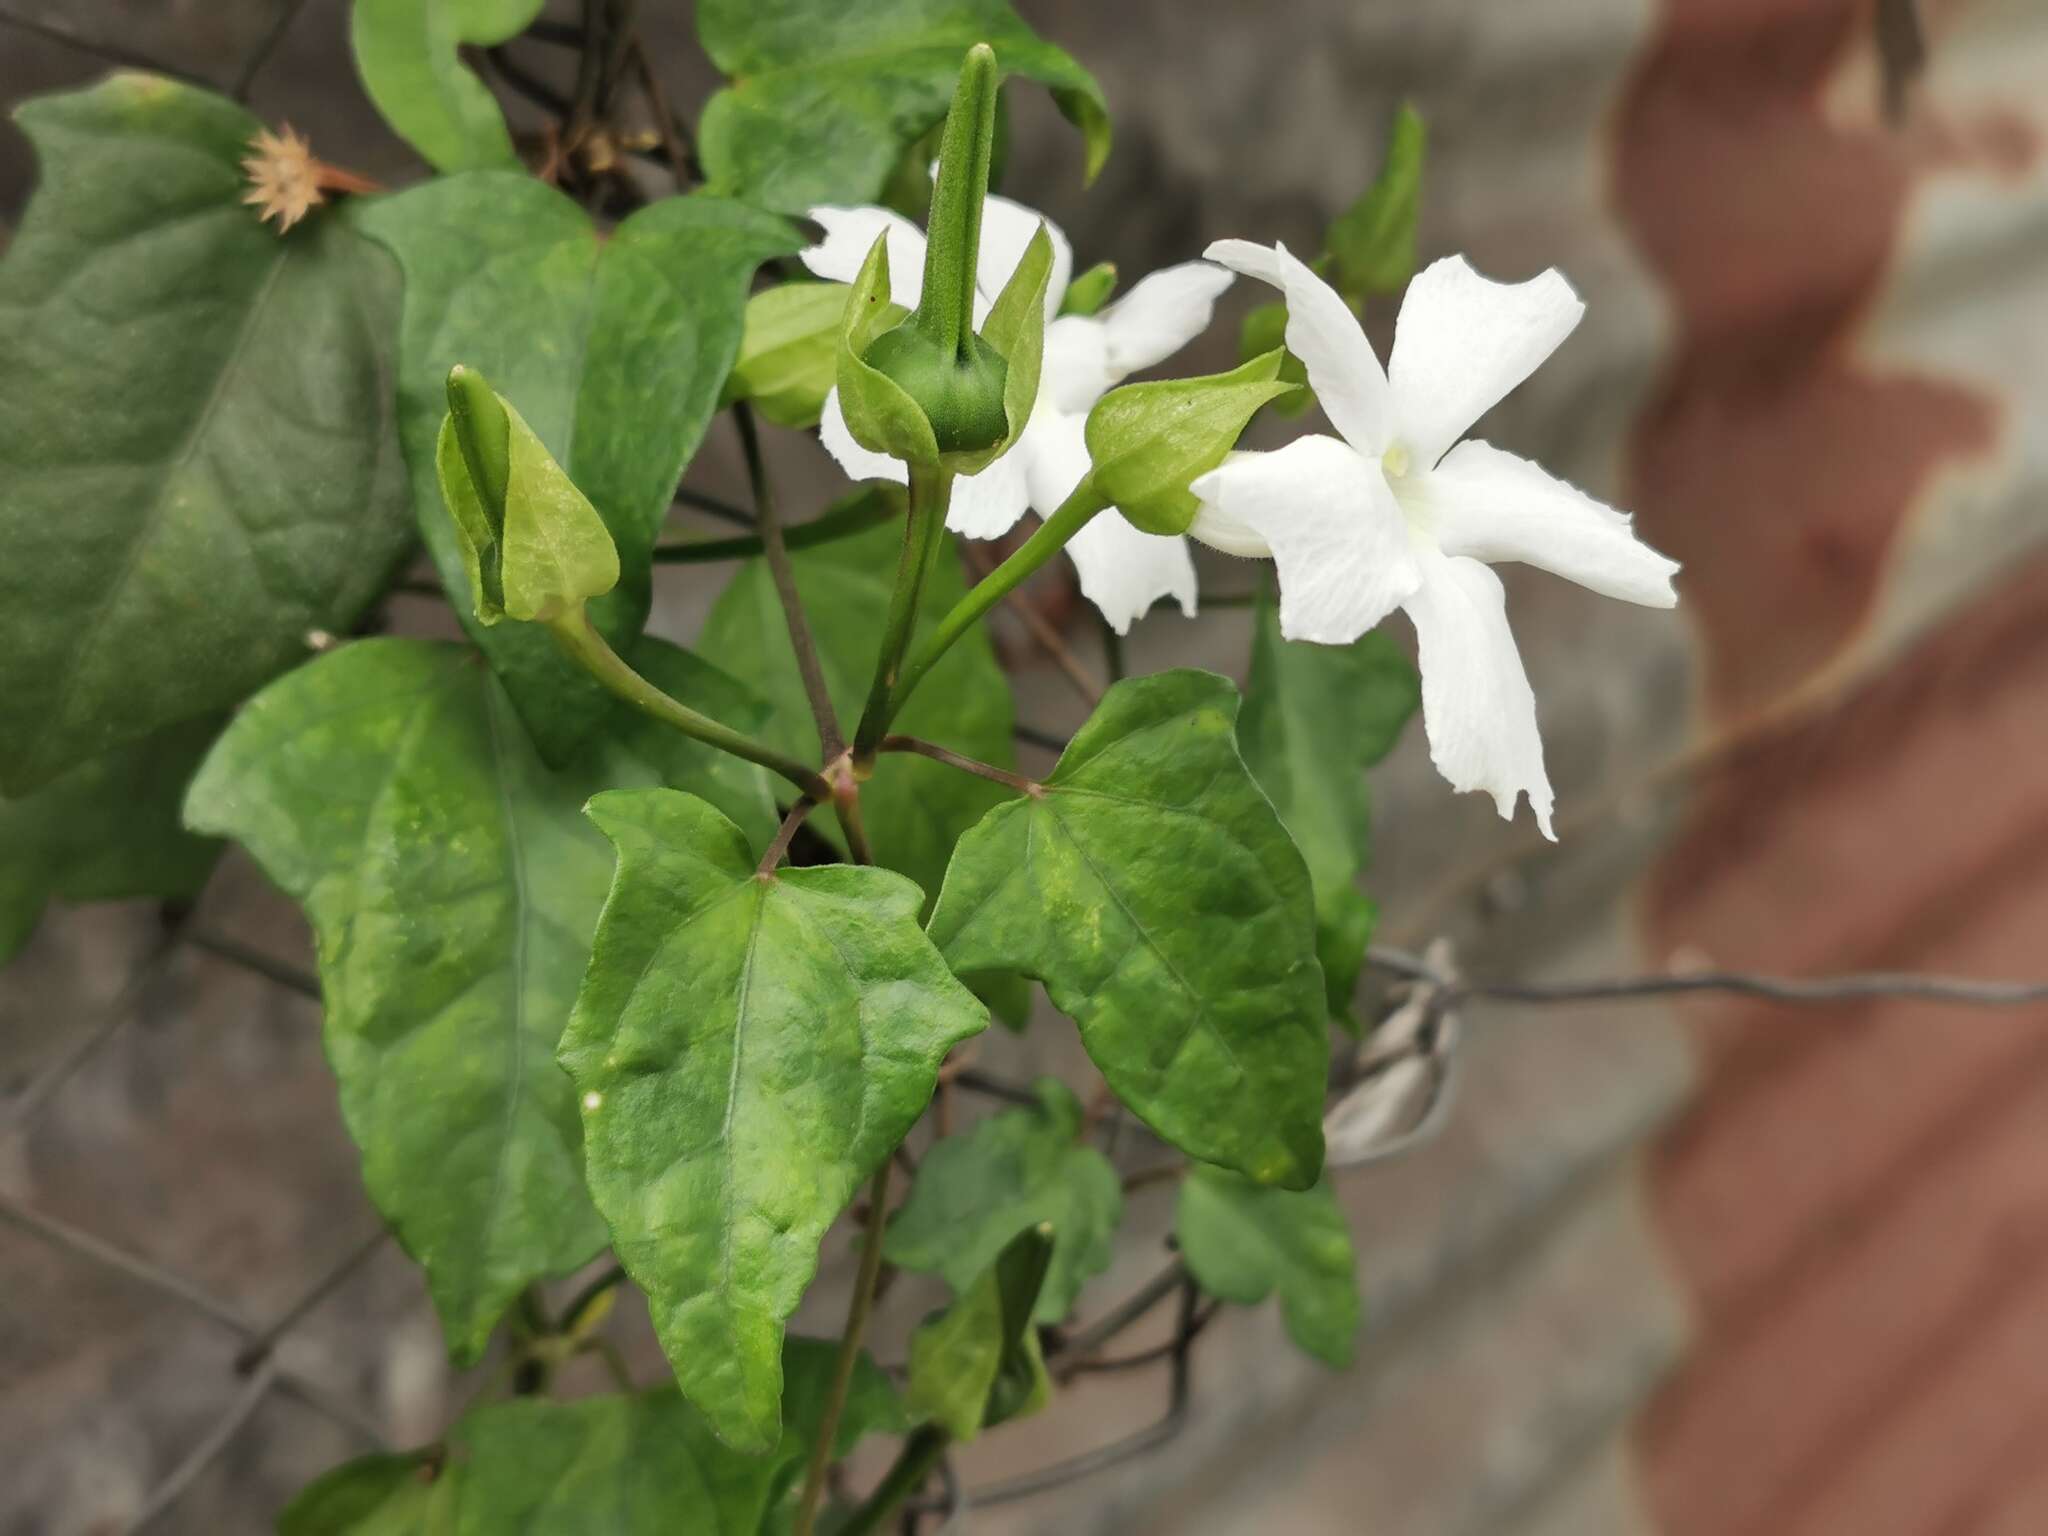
<point x="453" y="884"/>
<point x="1153" y="890"/>
<point x="747" y="1049"/>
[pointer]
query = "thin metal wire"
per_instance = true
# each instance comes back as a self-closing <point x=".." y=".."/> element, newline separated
<point x="202" y="1455"/>
<point x="245" y="77"/>
<point x="113" y="53"/>
<point x="258" y="1348"/>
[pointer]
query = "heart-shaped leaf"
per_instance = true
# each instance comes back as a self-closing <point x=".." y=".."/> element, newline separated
<point x="453" y="885"/>
<point x="1244" y="1241"/>
<point x="748" y="1048"/>
<point x="1150" y="886"/>
<point x="198" y="447"/>
<point x="406" y="53"/>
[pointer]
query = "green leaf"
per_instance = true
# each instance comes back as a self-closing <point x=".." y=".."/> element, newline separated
<point x="827" y="96"/>
<point x="1372" y="243"/>
<point x="977" y="1364"/>
<point x="406" y="54"/>
<point x="747" y="1049"/>
<point x="1244" y="1241"/>
<point x="550" y="552"/>
<point x="646" y="1464"/>
<point x="105" y="830"/>
<point x="789" y="351"/>
<point x="1152" y="889"/>
<point x="1265" y="328"/>
<point x="453" y="885"/>
<point x="404" y="1495"/>
<point x="880" y="414"/>
<point x="1018" y="1169"/>
<point x="915" y="809"/>
<point x="1148" y="441"/>
<point x="198" y="457"/>
<point x="1315" y="718"/>
<point x="613" y="350"/>
<point x="1015" y="330"/>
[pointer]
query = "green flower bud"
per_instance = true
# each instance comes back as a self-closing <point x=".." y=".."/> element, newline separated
<point x="1148" y="441"/>
<point x="1087" y="293"/>
<point x="534" y="546"/>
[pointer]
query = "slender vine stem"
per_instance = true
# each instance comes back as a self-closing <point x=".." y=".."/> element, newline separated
<point x="840" y="523"/>
<point x="913" y="1464"/>
<point x="573" y="632"/>
<point x="931" y="492"/>
<point x="1047" y="540"/>
<point x="829" y="740"/>
<point x="960" y="760"/>
<point x="783" y="834"/>
<point x="849" y="1349"/>
<point x="697" y="501"/>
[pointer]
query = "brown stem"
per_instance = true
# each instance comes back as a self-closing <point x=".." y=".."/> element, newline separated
<point x="964" y="763"/>
<point x="849" y="1350"/>
<point x="830" y="742"/>
<point x="780" y="845"/>
<point x="1047" y="636"/>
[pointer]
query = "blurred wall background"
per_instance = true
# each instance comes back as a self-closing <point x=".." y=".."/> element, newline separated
<point x="1716" y="1272"/>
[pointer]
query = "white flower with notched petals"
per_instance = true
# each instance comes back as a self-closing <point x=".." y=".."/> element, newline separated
<point x="1123" y="570"/>
<point x="1390" y="515"/>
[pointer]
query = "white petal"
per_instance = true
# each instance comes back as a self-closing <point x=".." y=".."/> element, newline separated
<point x="1125" y="570"/>
<point x="1075" y="372"/>
<point x="858" y="462"/>
<point x="988" y="505"/>
<point x="850" y="235"/>
<point x="1162" y="314"/>
<point x="1338" y="538"/>
<point x="1006" y="229"/>
<point x="1324" y="333"/>
<point x="1477" y="707"/>
<point x="1462" y="342"/>
<point x="1491" y="505"/>
<point x="1054" y="451"/>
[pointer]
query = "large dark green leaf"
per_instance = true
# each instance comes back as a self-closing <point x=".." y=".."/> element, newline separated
<point x="1244" y="1241"/>
<point x="106" y="829"/>
<point x="1152" y="889"/>
<point x="613" y="350"/>
<point x="640" y="1465"/>
<point x="198" y="458"/>
<point x="977" y="1364"/>
<point x="915" y="809"/>
<point x="406" y="53"/>
<point x="1315" y="718"/>
<point x="826" y="96"/>
<point x="453" y="885"/>
<point x="747" y="1049"/>
<point x="1014" y="1170"/>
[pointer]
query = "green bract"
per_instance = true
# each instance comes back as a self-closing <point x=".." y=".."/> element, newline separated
<point x="1315" y="718"/>
<point x="616" y="350"/>
<point x="1087" y="293"/>
<point x="1152" y="889"/>
<point x="406" y="53"/>
<point x="453" y="885"/>
<point x="533" y="545"/>
<point x="789" y="351"/>
<point x="1243" y="1241"/>
<point x="197" y="432"/>
<point x="1019" y="1169"/>
<point x="1148" y="441"/>
<point x="977" y="1364"/>
<point x="1372" y="243"/>
<point x="748" y="1047"/>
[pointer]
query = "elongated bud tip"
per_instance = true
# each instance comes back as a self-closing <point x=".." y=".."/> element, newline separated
<point x="483" y="432"/>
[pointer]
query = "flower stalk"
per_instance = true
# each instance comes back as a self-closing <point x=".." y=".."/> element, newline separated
<point x="931" y="491"/>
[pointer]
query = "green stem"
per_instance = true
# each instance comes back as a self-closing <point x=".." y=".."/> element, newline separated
<point x="914" y="1463"/>
<point x="1050" y="538"/>
<point x="931" y="492"/>
<point x="849" y="1350"/>
<point x="840" y="523"/>
<point x="573" y="632"/>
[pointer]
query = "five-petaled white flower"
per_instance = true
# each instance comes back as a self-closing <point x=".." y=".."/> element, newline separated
<point x="1123" y="570"/>
<point x="1390" y="515"/>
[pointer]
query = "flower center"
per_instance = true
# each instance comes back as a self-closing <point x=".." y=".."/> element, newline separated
<point x="1394" y="462"/>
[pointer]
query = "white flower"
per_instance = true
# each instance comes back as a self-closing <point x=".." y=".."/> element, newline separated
<point x="1123" y="571"/>
<point x="1391" y="515"/>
